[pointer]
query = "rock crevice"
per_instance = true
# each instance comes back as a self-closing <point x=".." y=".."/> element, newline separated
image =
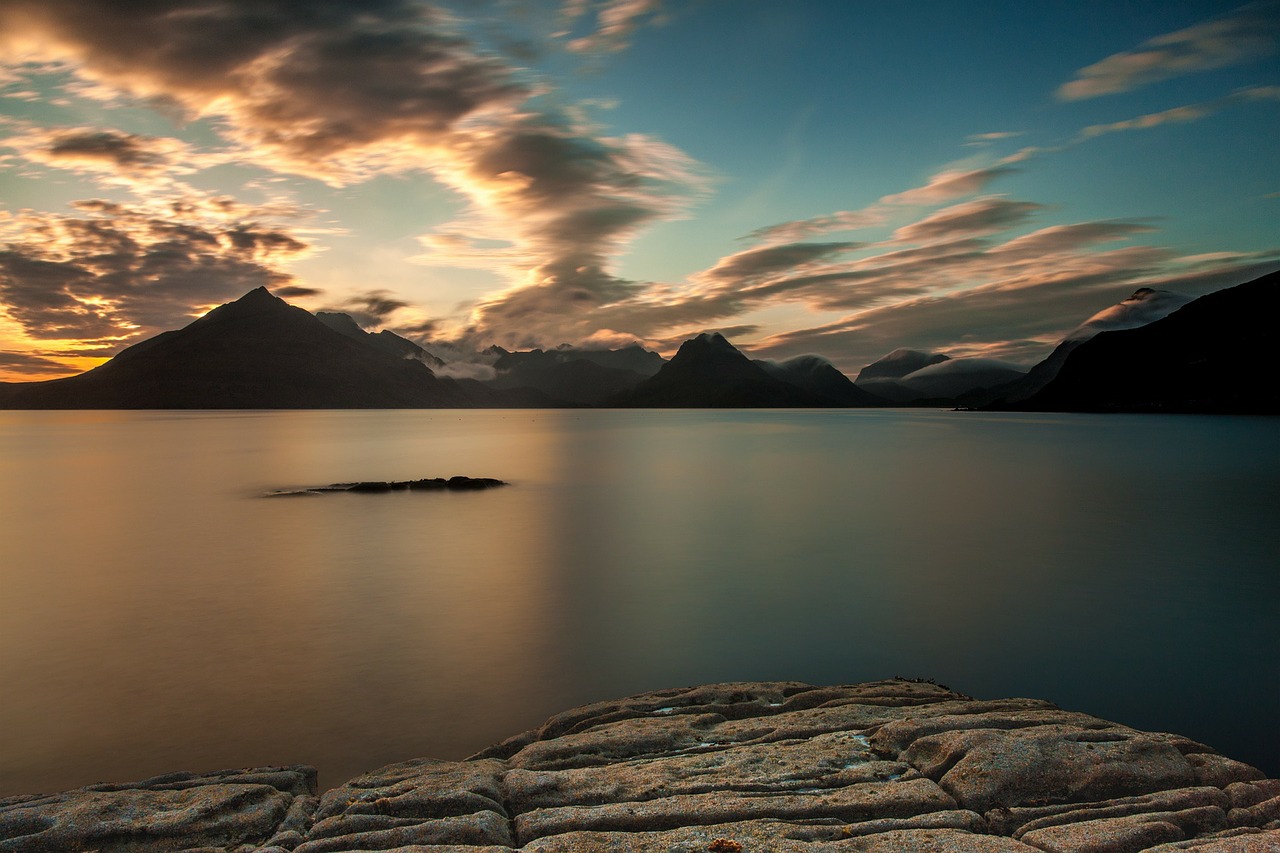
<point x="891" y="765"/>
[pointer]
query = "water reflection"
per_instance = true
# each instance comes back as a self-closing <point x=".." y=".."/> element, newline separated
<point x="159" y="614"/>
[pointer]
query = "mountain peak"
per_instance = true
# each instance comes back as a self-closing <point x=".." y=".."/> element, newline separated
<point x="713" y="338"/>
<point x="256" y="301"/>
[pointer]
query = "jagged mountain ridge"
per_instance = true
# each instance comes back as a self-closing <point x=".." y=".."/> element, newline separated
<point x="257" y="352"/>
<point x="709" y="372"/>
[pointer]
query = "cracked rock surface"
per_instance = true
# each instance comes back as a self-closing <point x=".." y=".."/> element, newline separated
<point x="783" y="767"/>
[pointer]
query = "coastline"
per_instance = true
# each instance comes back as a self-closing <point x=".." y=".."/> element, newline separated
<point x="779" y="766"/>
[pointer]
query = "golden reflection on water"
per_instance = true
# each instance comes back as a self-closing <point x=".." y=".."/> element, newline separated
<point x="158" y="613"/>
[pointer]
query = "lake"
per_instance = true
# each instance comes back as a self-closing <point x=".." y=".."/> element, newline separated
<point x="158" y="613"/>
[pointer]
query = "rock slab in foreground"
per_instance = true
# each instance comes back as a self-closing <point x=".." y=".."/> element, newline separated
<point x="782" y="767"/>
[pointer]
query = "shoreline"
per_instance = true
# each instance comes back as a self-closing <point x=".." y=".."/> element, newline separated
<point x="779" y="766"/>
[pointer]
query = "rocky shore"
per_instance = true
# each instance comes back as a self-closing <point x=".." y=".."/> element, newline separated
<point x="782" y="767"/>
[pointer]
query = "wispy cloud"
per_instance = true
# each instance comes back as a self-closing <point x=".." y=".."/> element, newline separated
<point x="1184" y="114"/>
<point x="949" y="184"/>
<point x="988" y="138"/>
<point x="1248" y="33"/>
<point x="980" y="216"/>
<point x="944" y="186"/>
<point x="803" y="229"/>
<point x="616" y="20"/>
<point x="27" y="365"/>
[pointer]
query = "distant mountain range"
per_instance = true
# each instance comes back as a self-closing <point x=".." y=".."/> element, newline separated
<point x="709" y="372"/>
<point x="1154" y="352"/>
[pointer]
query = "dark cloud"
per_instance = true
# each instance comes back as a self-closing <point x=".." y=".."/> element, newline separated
<point x="316" y="87"/>
<point x="295" y="291"/>
<point x="371" y="308"/>
<point x="345" y="90"/>
<point x="30" y="364"/>
<point x="126" y="151"/>
<point x="127" y="274"/>
<point x="754" y="264"/>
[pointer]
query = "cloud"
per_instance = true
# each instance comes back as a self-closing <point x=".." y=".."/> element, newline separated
<point x="26" y="364"/>
<point x="752" y="265"/>
<point x="331" y="89"/>
<point x="120" y="273"/>
<point x="1248" y="33"/>
<point x="369" y="309"/>
<point x="1184" y="114"/>
<point x="616" y="20"/>
<point x="296" y="291"/>
<point x="988" y="138"/>
<point x="341" y="91"/>
<point x="801" y="229"/>
<point x="941" y="187"/>
<point x="99" y="150"/>
<point x="980" y="216"/>
<point x="948" y="185"/>
<point x="1019" y="314"/>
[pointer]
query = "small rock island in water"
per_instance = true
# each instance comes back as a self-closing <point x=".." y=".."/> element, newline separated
<point x="782" y="767"/>
<point x="455" y="484"/>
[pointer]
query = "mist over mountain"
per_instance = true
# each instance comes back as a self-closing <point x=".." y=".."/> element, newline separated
<point x="385" y="340"/>
<point x="1213" y="355"/>
<point x="1144" y="306"/>
<point x="819" y="377"/>
<point x="898" y="364"/>
<point x="907" y="376"/>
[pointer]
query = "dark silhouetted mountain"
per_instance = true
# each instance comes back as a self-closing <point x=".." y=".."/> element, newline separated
<point x="583" y="377"/>
<point x="632" y="357"/>
<point x="1213" y="355"/>
<point x="1144" y="306"/>
<point x="708" y="372"/>
<point x="820" y="378"/>
<point x="387" y="341"/>
<point x="258" y="352"/>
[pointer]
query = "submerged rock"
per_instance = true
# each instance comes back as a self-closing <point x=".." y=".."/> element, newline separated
<point x="782" y="767"/>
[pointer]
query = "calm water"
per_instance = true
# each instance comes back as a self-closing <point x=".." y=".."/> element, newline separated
<point x="157" y="613"/>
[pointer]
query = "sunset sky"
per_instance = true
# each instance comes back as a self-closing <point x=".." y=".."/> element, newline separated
<point x="836" y="177"/>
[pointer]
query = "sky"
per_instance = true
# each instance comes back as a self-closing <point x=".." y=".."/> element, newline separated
<point x="841" y="177"/>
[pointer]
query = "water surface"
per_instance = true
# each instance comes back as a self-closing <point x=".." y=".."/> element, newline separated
<point x="157" y="613"/>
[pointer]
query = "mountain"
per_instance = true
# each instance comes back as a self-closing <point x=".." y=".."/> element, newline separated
<point x="956" y="377"/>
<point x="258" y="352"/>
<point x="934" y="379"/>
<point x="387" y="341"/>
<point x="898" y="364"/>
<point x="1144" y="306"/>
<point x="709" y="372"/>
<point x="882" y="376"/>
<point x="820" y="378"/>
<point x="1213" y="355"/>
<point x="584" y="377"/>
